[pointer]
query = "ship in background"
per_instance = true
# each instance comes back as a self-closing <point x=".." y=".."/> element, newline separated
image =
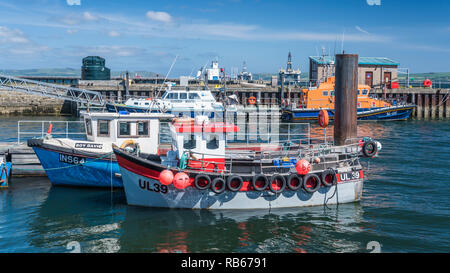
<point x="315" y="99"/>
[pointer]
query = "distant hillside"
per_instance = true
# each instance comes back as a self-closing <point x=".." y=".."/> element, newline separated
<point x="268" y="76"/>
<point x="434" y="76"/>
<point x="62" y="72"/>
<point x="68" y="72"/>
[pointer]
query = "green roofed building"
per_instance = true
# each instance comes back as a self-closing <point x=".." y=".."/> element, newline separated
<point x="94" y="69"/>
<point x="376" y="72"/>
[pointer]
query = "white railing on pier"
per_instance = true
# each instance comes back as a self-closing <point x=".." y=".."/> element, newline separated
<point x="38" y="128"/>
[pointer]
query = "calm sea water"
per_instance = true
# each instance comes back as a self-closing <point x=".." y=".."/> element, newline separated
<point x="406" y="208"/>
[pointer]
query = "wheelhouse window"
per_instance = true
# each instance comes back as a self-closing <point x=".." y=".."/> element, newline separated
<point x="183" y="96"/>
<point x="325" y="93"/>
<point x="142" y="128"/>
<point x="365" y="91"/>
<point x="103" y="128"/>
<point x="172" y="96"/>
<point x="136" y="103"/>
<point x="194" y="96"/>
<point x="88" y="127"/>
<point x="124" y="128"/>
<point x="189" y="142"/>
<point x="332" y="93"/>
<point x="212" y="142"/>
<point x="358" y="92"/>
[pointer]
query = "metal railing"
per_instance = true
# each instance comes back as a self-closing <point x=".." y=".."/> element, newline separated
<point x="32" y="128"/>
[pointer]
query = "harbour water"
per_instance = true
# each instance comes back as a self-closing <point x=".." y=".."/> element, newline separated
<point x="405" y="208"/>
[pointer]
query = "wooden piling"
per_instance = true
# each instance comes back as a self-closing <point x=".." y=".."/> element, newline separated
<point x="433" y="107"/>
<point x="346" y="84"/>
<point x="426" y="107"/>
<point x="419" y="106"/>
<point x="440" y="106"/>
<point x="413" y="101"/>
<point x="447" y="107"/>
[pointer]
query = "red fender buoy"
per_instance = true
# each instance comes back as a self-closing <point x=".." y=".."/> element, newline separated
<point x="252" y="100"/>
<point x="181" y="181"/>
<point x="303" y="166"/>
<point x="166" y="177"/>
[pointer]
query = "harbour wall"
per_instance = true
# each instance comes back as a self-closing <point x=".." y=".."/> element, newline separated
<point x="432" y="103"/>
<point x="18" y="103"/>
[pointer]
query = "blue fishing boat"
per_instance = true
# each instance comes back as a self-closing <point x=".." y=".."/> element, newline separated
<point x="91" y="163"/>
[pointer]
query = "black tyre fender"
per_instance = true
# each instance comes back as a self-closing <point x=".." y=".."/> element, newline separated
<point x="326" y="174"/>
<point x="277" y="177"/>
<point x="307" y="178"/>
<point x="216" y="182"/>
<point x="232" y="178"/>
<point x="259" y="177"/>
<point x="197" y="182"/>
<point x="292" y="177"/>
<point x="369" y="148"/>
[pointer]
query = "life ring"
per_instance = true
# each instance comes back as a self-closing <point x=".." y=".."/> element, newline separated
<point x="328" y="177"/>
<point x="202" y="182"/>
<point x="231" y="183"/>
<point x="218" y="185"/>
<point x="279" y="188"/>
<point x="311" y="183"/>
<point x="252" y="100"/>
<point x="127" y="143"/>
<point x="294" y="181"/>
<point x="370" y="148"/>
<point x="323" y="118"/>
<point x="256" y="182"/>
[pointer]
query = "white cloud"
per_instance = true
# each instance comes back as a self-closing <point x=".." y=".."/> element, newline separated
<point x="113" y="33"/>
<point x="14" y="36"/>
<point x="72" y="31"/>
<point x="160" y="16"/>
<point x="73" y="2"/>
<point x="89" y="17"/>
<point x="361" y="30"/>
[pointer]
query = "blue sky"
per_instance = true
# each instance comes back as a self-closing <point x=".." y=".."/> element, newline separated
<point x="147" y="35"/>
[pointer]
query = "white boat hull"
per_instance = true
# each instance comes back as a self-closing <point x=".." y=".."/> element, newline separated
<point x="144" y="191"/>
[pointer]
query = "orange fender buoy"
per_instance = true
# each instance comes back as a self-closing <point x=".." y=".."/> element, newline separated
<point x="166" y="177"/>
<point x="181" y="181"/>
<point x="303" y="166"/>
<point x="252" y="100"/>
<point x="50" y="127"/>
<point x="323" y="118"/>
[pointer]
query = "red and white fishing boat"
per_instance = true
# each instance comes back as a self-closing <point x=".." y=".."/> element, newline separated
<point x="199" y="173"/>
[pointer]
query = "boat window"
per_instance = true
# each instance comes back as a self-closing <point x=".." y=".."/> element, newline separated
<point x="164" y="95"/>
<point x="194" y="96"/>
<point x="88" y="127"/>
<point x="103" y="128"/>
<point x="358" y="92"/>
<point x="124" y="128"/>
<point x="365" y="91"/>
<point x="183" y="96"/>
<point x="332" y="93"/>
<point x="142" y="128"/>
<point x="189" y="142"/>
<point x="172" y="96"/>
<point x="325" y="93"/>
<point x="136" y="103"/>
<point x="213" y="142"/>
<point x="146" y="103"/>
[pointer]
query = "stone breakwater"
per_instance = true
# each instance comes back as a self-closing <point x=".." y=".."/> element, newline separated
<point x="17" y="103"/>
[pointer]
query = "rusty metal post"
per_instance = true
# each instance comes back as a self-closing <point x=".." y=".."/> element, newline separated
<point x="346" y="84"/>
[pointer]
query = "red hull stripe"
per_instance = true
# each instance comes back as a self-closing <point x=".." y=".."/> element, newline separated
<point x="137" y="169"/>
